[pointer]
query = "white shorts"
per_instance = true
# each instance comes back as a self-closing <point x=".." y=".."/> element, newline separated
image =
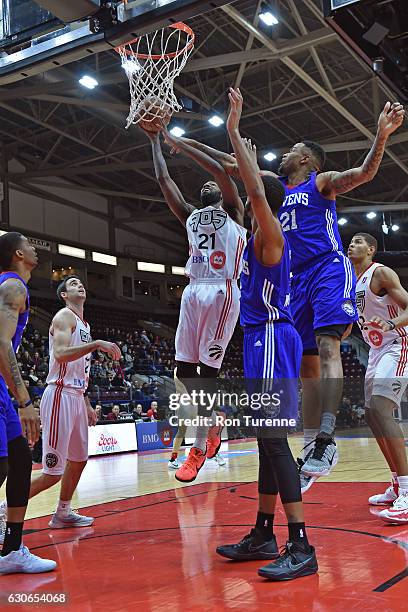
<point x="64" y="420"/>
<point x="208" y="315"/>
<point x="387" y="371"/>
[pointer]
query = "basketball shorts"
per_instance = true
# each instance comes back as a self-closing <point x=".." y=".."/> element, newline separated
<point x="208" y="315"/>
<point x="272" y="356"/>
<point x="323" y="294"/>
<point x="64" y="421"/>
<point x="10" y="426"/>
<point x="387" y="371"/>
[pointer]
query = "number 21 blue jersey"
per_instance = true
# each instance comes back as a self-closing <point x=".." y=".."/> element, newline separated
<point x="310" y="224"/>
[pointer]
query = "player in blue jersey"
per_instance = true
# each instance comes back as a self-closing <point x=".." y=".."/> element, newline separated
<point x="272" y="354"/>
<point x="17" y="431"/>
<point x="323" y="284"/>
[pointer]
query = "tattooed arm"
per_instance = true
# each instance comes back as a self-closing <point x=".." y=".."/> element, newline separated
<point x="332" y="183"/>
<point x="13" y="295"/>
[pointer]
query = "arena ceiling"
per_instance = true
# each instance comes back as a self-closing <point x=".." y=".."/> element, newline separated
<point x="299" y="80"/>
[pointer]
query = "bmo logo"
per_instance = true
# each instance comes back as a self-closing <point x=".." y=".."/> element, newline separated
<point x="218" y="259"/>
<point x="150" y="438"/>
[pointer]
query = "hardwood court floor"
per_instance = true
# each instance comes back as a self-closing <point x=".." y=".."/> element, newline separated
<point x="152" y="546"/>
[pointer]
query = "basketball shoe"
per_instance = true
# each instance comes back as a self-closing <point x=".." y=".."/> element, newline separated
<point x="305" y="481"/>
<point x="397" y="514"/>
<point x="253" y="546"/>
<point x="190" y="468"/>
<point x="72" y="519"/>
<point x="324" y="457"/>
<point x="385" y="499"/>
<point x="220" y="459"/>
<point x="21" y="561"/>
<point x="214" y="438"/>
<point x="173" y="464"/>
<point x="294" y="562"/>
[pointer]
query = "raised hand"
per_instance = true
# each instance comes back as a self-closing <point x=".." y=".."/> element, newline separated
<point x="251" y="148"/>
<point x="391" y="118"/>
<point x="235" y="112"/>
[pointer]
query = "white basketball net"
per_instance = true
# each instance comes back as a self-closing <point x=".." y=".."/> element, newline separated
<point x="151" y="63"/>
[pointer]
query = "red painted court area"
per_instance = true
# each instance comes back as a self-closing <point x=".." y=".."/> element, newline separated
<point x="157" y="552"/>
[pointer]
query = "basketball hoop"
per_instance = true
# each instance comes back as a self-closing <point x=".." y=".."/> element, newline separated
<point x="152" y="62"/>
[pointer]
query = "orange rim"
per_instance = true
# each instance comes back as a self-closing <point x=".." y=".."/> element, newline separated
<point x="176" y="26"/>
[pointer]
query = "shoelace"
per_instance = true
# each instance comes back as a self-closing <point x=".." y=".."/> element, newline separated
<point x="191" y="460"/>
<point x="401" y="501"/>
<point x="321" y="447"/>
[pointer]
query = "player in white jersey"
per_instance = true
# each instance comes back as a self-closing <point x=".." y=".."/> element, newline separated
<point x="65" y="411"/>
<point x="382" y="305"/>
<point x="210" y="303"/>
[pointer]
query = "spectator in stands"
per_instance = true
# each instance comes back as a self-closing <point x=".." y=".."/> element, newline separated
<point x="114" y="413"/>
<point x="138" y="413"/>
<point x="98" y="412"/>
<point x="152" y="412"/>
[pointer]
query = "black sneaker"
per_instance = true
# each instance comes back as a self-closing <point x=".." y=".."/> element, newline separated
<point x="293" y="563"/>
<point x="252" y="546"/>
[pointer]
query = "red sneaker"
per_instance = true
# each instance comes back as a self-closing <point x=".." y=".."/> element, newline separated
<point x="214" y="438"/>
<point x="190" y="468"/>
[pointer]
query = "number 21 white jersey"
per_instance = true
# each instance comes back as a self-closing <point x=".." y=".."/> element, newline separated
<point x="216" y="244"/>
<point x="75" y="374"/>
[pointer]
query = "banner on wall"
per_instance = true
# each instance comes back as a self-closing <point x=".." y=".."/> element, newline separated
<point x="155" y="434"/>
<point x="112" y="438"/>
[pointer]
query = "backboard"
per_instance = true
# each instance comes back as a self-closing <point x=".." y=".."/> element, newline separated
<point x="34" y="40"/>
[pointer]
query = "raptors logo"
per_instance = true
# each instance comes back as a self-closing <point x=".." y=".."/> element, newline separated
<point x="215" y="351"/>
<point x="396" y="386"/>
<point x="51" y="460"/>
<point x="217" y="260"/>
<point x="214" y="217"/>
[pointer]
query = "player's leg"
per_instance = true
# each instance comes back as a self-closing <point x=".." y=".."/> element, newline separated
<point x="178" y="441"/>
<point x="16" y="464"/>
<point x="77" y="458"/>
<point x="186" y="341"/>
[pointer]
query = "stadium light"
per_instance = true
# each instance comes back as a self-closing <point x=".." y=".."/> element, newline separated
<point x="395" y="227"/>
<point x="110" y="260"/>
<point x="371" y="215"/>
<point x="144" y="266"/>
<point x="216" y="120"/>
<point x="64" y="249"/>
<point x="177" y="131"/>
<point x="268" y="18"/>
<point x="2" y="232"/>
<point x="88" y="82"/>
<point x="342" y="221"/>
<point x="178" y="270"/>
<point x="269" y="156"/>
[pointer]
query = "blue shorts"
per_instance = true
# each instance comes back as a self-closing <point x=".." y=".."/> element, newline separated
<point x="324" y="294"/>
<point x="272" y="356"/>
<point x="10" y="426"/>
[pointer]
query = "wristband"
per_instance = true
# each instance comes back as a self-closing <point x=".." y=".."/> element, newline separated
<point x="391" y="324"/>
<point x="28" y="402"/>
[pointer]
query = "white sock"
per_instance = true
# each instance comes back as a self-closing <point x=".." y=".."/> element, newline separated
<point x="394" y="478"/>
<point x="308" y="436"/>
<point x="403" y="483"/>
<point x="63" y="508"/>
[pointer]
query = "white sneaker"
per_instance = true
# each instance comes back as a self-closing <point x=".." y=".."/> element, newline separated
<point x="397" y="514"/>
<point x="23" y="562"/>
<point x="220" y="459"/>
<point x="73" y="519"/>
<point x="173" y="464"/>
<point x="306" y="482"/>
<point x="386" y="498"/>
<point x="324" y="457"/>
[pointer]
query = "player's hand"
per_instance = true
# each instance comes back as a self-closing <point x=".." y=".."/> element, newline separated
<point x="111" y="349"/>
<point x="380" y="324"/>
<point x="30" y="423"/>
<point x="171" y="141"/>
<point x="391" y="118"/>
<point x="92" y="418"/>
<point x="251" y="148"/>
<point x="235" y="112"/>
<point x="152" y="136"/>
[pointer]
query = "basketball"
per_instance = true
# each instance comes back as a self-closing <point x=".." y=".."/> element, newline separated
<point x="154" y="119"/>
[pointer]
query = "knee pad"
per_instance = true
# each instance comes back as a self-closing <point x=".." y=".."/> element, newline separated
<point x="207" y="371"/>
<point x="186" y="370"/>
<point x="3" y="469"/>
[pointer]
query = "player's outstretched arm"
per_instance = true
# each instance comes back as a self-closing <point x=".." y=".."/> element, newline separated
<point x="62" y="327"/>
<point x="172" y="194"/>
<point x="389" y="281"/>
<point x="13" y="296"/>
<point x="232" y="203"/>
<point x="332" y="183"/>
<point x="269" y="231"/>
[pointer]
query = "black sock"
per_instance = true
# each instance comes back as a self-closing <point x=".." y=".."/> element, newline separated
<point x="264" y="522"/>
<point x="297" y="533"/>
<point x="13" y="537"/>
